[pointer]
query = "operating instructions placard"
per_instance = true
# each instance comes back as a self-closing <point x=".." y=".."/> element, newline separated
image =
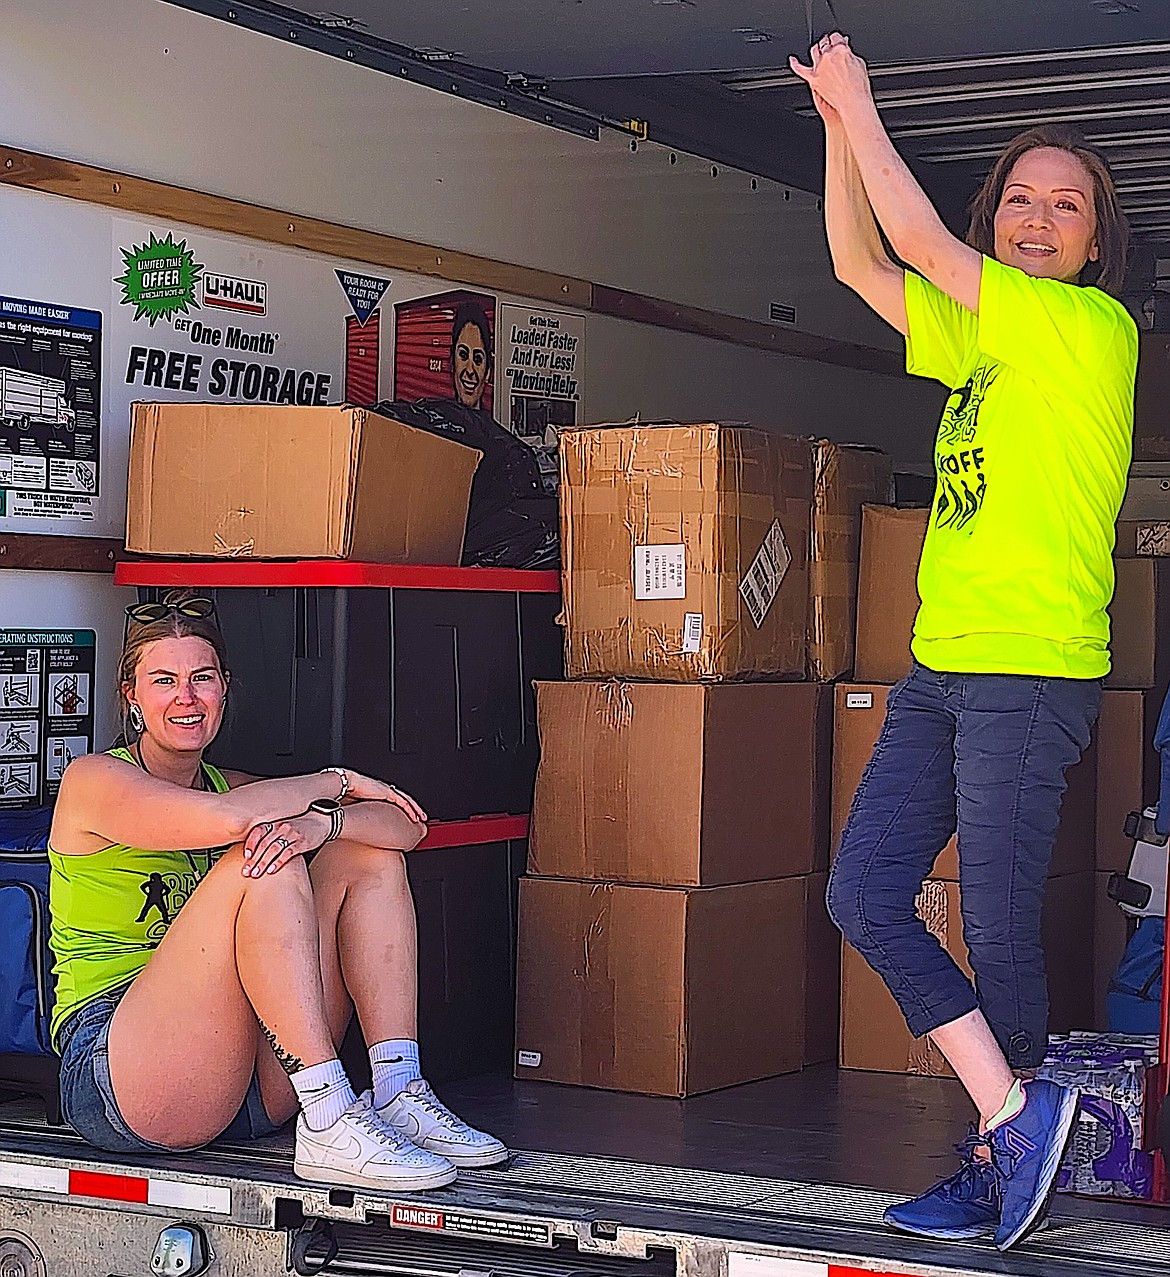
<point x="46" y="710"/>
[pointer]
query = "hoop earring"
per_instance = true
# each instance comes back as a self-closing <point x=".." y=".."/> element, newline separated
<point x="137" y="722"/>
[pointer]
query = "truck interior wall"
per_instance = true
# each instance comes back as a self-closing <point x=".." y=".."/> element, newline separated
<point x="665" y="375"/>
<point x="172" y="95"/>
<point x="293" y="129"/>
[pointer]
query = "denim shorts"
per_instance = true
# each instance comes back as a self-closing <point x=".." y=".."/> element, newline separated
<point x="87" y="1095"/>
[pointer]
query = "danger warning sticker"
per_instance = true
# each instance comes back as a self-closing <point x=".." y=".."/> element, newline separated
<point x="527" y="1231"/>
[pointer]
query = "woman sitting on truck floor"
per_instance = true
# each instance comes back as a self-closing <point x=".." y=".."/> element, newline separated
<point x="1012" y="638"/>
<point x="206" y="970"/>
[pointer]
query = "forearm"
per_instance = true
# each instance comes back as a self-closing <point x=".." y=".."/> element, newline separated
<point x="381" y="825"/>
<point x="911" y="224"/>
<point x="854" y="242"/>
<point x="272" y="800"/>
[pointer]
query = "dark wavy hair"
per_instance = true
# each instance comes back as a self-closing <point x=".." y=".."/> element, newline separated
<point x="1108" y="271"/>
<point x="472" y="313"/>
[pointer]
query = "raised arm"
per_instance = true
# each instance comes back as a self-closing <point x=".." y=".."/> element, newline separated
<point x="915" y="231"/>
<point x="860" y="260"/>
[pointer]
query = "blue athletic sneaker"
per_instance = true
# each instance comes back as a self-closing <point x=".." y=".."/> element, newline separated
<point x="964" y="1206"/>
<point x="1027" y="1152"/>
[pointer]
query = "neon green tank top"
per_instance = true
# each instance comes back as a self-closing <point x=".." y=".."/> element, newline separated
<point x="110" y="909"/>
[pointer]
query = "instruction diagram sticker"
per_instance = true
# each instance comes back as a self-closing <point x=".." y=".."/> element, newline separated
<point x="50" y="406"/>
<point x="46" y="711"/>
<point x="160" y="278"/>
<point x="762" y="581"/>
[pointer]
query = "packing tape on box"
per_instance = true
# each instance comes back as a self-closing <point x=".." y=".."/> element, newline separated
<point x="617" y="709"/>
<point x="598" y="1037"/>
<point x="933" y="907"/>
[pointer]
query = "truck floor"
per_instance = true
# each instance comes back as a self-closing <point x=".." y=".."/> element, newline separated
<point x="806" y="1162"/>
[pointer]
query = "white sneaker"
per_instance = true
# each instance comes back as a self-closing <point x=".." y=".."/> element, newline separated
<point x="418" y="1114"/>
<point x="362" y="1151"/>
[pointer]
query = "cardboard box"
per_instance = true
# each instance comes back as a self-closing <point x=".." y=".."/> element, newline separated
<point x="663" y="991"/>
<point x="873" y="1033"/>
<point x="245" y="481"/>
<point x="681" y="785"/>
<point x="1127" y="769"/>
<point x="845" y="478"/>
<point x="860" y="710"/>
<point x="685" y="552"/>
<point x="822" y="976"/>
<point x="1110" y="936"/>
<point x="887" y="591"/>
<point x="1140" y="624"/>
<point x="1151" y="407"/>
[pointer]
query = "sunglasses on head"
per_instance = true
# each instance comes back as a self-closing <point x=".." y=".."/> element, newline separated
<point x="196" y="609"/>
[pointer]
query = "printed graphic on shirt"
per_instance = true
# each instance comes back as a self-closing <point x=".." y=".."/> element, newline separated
<point x="164" y="895"/>
<point x="960" y="462"/>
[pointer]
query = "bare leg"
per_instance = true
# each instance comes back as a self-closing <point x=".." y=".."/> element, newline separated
<point x="975" y="1055"/>
<point x="368" y="936"/>
<point x="368" y="953"/>
<point x="183" y="1041"/>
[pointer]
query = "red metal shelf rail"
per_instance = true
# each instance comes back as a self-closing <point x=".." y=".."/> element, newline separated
<point x="330" y="573"/>
<point x="474" y="832"/>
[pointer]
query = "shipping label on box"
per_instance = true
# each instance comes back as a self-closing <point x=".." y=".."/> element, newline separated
<point x="692" y="632"/>
<point x="660" y="571"/>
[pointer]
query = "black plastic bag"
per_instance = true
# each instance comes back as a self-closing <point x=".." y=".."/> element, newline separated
<point x="511" y="520"/>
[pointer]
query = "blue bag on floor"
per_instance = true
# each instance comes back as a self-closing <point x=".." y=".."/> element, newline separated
<point x="26" y="990"/>
<point x="1135" y="991"/>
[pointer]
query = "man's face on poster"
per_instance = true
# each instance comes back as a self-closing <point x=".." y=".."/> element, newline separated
<point x="471" y="366"/>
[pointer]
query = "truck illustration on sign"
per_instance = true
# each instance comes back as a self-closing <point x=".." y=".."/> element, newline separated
<point x="28" y="398"/>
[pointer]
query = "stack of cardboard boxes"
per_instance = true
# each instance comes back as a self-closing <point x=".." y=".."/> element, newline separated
<point x="1128" y="768"/>
<point x="1083" y="929"/>
<point x="673" y="936"/>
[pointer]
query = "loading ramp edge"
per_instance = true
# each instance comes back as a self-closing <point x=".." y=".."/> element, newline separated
<point x="605" y="1207"/>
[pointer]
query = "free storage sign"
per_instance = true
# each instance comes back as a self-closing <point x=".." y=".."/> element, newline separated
<point x="195" y="318"/>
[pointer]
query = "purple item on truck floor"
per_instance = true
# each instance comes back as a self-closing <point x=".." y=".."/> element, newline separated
<point x="1105" y="1155"/>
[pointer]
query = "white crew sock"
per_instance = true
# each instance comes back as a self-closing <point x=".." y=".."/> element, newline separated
<point x="324" y="1091"/>
<point x="393" y="1064"/>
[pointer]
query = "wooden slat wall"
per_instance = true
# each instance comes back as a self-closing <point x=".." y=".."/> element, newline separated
<point x="129" y="194"/>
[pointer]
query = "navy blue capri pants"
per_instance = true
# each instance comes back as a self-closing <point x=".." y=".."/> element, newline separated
<point x="983" y="755"/>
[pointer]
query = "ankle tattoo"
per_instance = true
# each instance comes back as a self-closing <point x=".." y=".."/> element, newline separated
<point x="287" y="1061"/>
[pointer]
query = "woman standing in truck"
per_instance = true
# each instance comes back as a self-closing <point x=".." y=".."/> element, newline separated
<point x="1011" y="639"/>
<point x="206" y="970"/>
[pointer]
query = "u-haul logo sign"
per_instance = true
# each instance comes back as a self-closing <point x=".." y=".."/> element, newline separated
<point x="229" y="292"/>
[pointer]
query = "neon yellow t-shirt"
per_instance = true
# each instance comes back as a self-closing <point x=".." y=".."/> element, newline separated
<point x="109" y="910"/>
<point x="1031" y="460"/>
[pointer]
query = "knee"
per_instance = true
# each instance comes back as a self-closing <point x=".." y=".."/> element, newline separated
<point x="843" y="900"/>
<point x="292" y="876"/>
<point x="368" y="867"/>
<point x="862" y="906"/>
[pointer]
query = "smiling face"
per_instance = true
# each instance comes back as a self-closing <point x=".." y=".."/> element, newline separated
<point x="1046" y="224"/>
<point x="179" y="687"/>
<point x="471" y="366"/>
